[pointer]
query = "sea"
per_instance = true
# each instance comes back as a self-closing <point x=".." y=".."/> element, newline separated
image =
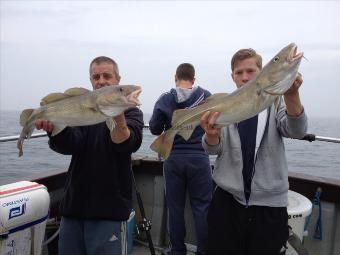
<point x="320" y="159"/>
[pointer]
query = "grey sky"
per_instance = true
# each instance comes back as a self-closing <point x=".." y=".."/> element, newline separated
<point x="47" y="46"/>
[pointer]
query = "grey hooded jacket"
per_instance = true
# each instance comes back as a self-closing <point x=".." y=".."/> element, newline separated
<point x="269" y="185"/>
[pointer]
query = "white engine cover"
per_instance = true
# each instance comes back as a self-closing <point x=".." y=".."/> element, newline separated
<point x="24" y="208"/>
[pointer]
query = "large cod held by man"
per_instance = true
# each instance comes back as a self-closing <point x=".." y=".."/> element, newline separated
<point x="79" y="107"/>
<point x="267" y="87"/>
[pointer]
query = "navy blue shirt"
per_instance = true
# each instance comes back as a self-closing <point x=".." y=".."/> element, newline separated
<point x="99" y="184"/>
<point x="247" y="130"/>
<point x="162" y="116"/>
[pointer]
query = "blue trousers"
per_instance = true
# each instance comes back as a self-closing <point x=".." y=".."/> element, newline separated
<point x="190" y="172"/>
<point x="92" y="237"/>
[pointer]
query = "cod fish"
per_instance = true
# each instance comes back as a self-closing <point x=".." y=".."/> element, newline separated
<point x="274" y="80"/>
<point x="79" y="107"/>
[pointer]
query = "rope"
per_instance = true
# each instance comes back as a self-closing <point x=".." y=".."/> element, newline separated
<point x="318" y="227"/>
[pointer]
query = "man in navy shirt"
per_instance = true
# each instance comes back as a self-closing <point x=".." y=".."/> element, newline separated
<point x="188" y="166"/>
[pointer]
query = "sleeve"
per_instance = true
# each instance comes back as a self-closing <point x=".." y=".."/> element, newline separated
<point x="67" y="142"/>
<point x="135" y="122"/>
<point x="157" y="121"/>
<point x="213" y="149"/>
<point x="206" y="94"/>
<point x="288" y="126"/>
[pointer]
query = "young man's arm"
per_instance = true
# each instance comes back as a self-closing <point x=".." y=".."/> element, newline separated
<point x="291" y="117"/>
<point x="292" y="98"/>
<point x="207" y="122"/>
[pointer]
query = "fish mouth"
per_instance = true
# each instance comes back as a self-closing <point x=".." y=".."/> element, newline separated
<point x="133" y="97"/>
<point x="293" y="55"/>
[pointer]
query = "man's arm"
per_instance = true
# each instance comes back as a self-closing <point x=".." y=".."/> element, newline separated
<point x="121" y="132"/>
<point x="66" y="142"/>
<point x="157" y="121"/>
<point x="291" y="118"/>
<point x="129" y="132"/>
<point x="207" y="122"/>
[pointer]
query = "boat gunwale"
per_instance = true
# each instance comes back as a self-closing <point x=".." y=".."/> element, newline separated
<point x="304" y="184"/>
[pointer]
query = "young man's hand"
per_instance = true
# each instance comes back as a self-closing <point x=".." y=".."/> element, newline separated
<point x="292" y="98"/>
<point x="207" y="122"/>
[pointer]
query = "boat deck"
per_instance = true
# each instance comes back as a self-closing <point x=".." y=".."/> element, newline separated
<point x="143" y="249"/>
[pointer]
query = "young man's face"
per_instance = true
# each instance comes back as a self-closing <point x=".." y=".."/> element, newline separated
<point x="102" y="75"/>
<point x="244" y="71"/>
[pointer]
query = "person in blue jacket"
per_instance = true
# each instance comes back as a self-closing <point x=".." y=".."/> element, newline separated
<point x="188" y="166"/>
<point x="97" y="198"/>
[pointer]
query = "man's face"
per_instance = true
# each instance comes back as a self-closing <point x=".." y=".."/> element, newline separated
<point x="244" y="71"/>
<point x="102" y="75"/>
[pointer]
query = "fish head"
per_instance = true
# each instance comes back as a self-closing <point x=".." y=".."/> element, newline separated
<point x="281" y="71"/>
<point x="129" y="94"/>
<point x="119" y="95"/>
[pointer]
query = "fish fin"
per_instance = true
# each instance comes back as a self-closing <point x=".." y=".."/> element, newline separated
<point x="277" y="103"/>
<point x="110" y="110"/>
<point x="299" y="75"/>
<point x="186" y="131"/>
<point x="163" y="143"/>
<point x="111" y="124"/>
<point x="178" y="114"/>
<point x="58" y="128"/>
<point x="272" y="93"/>
<point x="25" y="115"/>
<point x="76" y="91"/>
<point x="282" y="86"/>
<point x="53" y="97"/>
<point x="214" y="97"/>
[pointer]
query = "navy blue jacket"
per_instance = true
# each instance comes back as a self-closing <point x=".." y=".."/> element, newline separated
<point x="99" y="184"/>
<point x="162" y="115"/>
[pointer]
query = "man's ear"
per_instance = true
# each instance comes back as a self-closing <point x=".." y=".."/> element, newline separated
<point x="193" y="80"/>
<point x="176" y="78"/>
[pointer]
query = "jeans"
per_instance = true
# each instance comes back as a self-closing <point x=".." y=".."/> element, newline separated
<point x="192" y="173"/>
<point x="92" y="237"/>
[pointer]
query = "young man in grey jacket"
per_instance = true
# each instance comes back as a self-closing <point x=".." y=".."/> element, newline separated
<point x="248" y="213"/>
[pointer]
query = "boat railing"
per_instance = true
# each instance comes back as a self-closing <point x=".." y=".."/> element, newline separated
<point x="307" y="137"/>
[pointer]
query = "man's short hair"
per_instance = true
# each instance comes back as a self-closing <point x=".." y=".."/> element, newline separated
<point x="243" y="54"/>
<point x="103" y="59"/>
<point x="185" y="72"/>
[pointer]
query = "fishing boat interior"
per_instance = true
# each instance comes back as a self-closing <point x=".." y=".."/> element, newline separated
<point x="29" y="213"/>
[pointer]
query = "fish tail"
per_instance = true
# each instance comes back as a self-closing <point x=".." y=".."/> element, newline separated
<point x="25" y="115"/>
<point x="25" y="134"/>
<point x="27" y="129"/>
<point x="19" y="145"/>
<point x="163" y="144"/>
